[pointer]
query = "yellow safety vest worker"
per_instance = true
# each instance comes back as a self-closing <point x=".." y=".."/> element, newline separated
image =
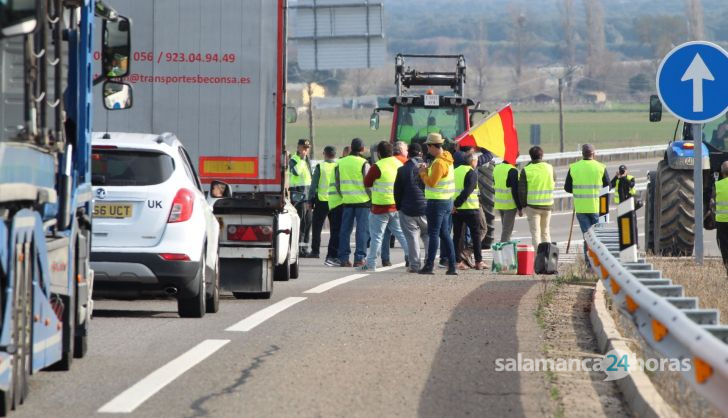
<point x="586" y="176"/>
<point x="721" y="200"/>
<point x="383" y="187"/>
<point x="444" y="188"/>
<point x="326" y="174"/>
<point x="335" y="199"/>
<point x="472" y="201"/>
<point x="540" y="183"/>
<point x="632" y="191"/>
<point x="351" y="180"/>
<point x="503" y="195"/>
<point x="304" y="174"/>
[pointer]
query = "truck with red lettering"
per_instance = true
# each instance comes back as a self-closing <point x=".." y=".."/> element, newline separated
<point x="214" y="74"/>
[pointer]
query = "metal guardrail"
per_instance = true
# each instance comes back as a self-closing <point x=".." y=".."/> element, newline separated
<point x="668" y="321"/>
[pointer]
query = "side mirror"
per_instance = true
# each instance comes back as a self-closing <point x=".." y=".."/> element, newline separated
<point x="374" y="121"/>
<point x="291" y="114"/>
<point x="18" y="17"/>
<point x="116" y="47"/>
<point x="117" y="96"/>
<point x="220" y="189"/>
<point x="655" y="108"/>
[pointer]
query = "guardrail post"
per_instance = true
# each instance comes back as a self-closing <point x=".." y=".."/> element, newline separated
<point x="627" y="225"/>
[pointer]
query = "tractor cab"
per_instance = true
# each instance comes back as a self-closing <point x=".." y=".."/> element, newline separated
<point x="417" y="114"/>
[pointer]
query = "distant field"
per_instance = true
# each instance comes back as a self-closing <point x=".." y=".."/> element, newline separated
<point x="606" y="129"/>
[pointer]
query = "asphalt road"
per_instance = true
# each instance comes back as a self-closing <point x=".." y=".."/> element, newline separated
<point x="331" y="343"/>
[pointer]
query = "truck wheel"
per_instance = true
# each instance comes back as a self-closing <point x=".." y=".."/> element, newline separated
<point x="294" y="270"/>
<point x="486" y="185"/>
<point x="212" y="304"/>
<point x="650" y="213"/>
<point x="674" y="211"/>
<point x="283" y="272"/>
<point x="194" y="306"/>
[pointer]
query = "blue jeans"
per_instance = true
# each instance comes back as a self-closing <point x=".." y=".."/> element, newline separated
<point x="378" y="223"/>
<point x="348" y="216"/>
<point x="586" y="220"/>
<point x="439" y="221"/>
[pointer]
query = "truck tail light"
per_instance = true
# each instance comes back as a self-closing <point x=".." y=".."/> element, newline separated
<point x="182" y="206"/>
<point x="250" y="233"/>
<point x="174" y="257"/>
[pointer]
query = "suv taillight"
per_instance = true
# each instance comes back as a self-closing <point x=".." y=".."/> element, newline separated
<point x="250" y="233"/>
<point x="182" y="206"/>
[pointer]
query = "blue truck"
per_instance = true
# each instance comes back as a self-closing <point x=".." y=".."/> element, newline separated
<point x="46" y="198"/>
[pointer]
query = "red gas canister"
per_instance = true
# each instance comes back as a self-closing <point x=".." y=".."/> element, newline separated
<point x="526" y="255"/>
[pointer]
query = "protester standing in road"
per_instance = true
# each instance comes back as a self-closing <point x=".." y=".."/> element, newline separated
<point x="623" y="185"/>
<point x="505" y="176"/>
<point x="536" y="190"/>
<point x="318" y="196"/>
<point x="467" y="210"/>
<point x="721" y="213"/>
<point x="439" y="181"/>
<point x="350" y="172"/>
<point x="383" y="216"/>
<point x="584" y="180"/>
<point x="409" y="197"/>
<point x="300" y="181"/>
<point x="400" y="153"/>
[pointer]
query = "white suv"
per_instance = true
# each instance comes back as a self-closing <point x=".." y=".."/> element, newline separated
<point x="153" y="230"/>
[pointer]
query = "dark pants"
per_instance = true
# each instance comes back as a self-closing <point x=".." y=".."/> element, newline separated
<point x="586" y="220"/>
<point x="334" y="227"/>
<point x="320" y="212"/>
<point x="305" y="214"/>
<point x="471" y="218"/>
<point x="438" y="227"/>
<point x="721" y="234"/>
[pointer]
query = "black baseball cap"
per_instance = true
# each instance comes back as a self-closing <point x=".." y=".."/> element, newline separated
<point x="304" y="142"/>
<point x="622" y="167"/>
<point x="329" y="149"/>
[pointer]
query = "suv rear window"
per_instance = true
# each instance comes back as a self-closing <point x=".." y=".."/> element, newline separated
<point x="130" y="168"/>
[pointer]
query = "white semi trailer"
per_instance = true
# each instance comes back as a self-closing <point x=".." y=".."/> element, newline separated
<point x="213" y="72"/>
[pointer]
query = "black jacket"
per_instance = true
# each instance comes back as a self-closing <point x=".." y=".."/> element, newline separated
<point x="409" y="190"/>
<point x="469" y="183"/>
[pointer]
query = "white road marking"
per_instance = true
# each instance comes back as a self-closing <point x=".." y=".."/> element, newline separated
<point x="393" y="266"/>
<point x="264" y="314"/>
<point x="333" y="283"/>
<point x="136" y="395"/>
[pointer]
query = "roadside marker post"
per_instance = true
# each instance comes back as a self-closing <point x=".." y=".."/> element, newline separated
<point x="627" y="226"/>
<point x="604" y="205"/>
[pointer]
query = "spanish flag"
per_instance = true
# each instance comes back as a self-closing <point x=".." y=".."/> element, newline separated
<point x="497" y="134"/>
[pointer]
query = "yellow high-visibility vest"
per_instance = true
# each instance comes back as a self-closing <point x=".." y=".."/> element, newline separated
<point x="383" y="187"/>
<point x="304" y="174"/>
<point x="721" y="200"/>
<point x="326" y="174"/>
<point x="444" y="189"/>
<point x="632" y="190"/>
<point x="472" y="201"/>
<point x="586" y="176"/>
<point x="351" y="180"/>
<point x="503" y="195"/>
<point x="540" y="183"/>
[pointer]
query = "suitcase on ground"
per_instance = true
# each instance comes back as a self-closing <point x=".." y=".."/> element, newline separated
<point x="547" y="258"/>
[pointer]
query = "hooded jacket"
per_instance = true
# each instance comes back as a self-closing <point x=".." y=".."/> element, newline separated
<point x="439" y="169"/>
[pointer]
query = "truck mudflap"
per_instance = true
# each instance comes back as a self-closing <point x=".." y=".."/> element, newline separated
<point x="244" y="275"/>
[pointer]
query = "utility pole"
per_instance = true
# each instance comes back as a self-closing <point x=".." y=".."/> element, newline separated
<point x="562" y="83"/>
<point x="309" y="87"/>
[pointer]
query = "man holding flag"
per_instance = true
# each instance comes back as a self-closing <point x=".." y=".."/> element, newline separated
<point x="497" y="134"/>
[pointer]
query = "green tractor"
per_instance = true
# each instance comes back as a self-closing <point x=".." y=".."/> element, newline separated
<point x="670" y="202"/>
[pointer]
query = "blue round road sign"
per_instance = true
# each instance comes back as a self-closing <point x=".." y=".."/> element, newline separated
<point x="692" y="81"/>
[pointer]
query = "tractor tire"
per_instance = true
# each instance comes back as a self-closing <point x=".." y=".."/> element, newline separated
<point x="486" y="185"/>
<point x="650" y="213"/>
<point x="674" y="212"/>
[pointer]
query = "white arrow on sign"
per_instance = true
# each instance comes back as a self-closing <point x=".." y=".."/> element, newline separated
<point x="697" y="72"/>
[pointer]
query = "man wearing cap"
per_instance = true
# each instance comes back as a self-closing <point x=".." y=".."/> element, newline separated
<point x="409" y="196"/>
<point x="318" y="196"/>
<point x="383" y="214"/>
<point x="350" y="172"/>
<point x="623" y="185"/>
<point x="536" y="195"/>
<point x="584" y="180"/>
<point x="439" y="181"/>
<point x="300" y="181"/>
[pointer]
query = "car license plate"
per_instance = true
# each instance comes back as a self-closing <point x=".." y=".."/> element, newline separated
<point x="432" y="100"/>
<point x="113" y="210"/>
<point x="689" y="161"/>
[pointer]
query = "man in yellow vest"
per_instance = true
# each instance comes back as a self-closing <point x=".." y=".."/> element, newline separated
<point x="467" y="210"/>
<point x="300" y="181"/>
<point x="623" y="185"/>
<point x="721" y="213"/>
<point x="505" y="177"/>
<point x="350" y="172"/>
<point x="318" y="197"/>
<point x="384" y="215"/>
<point x="439" y="179"/>
<point x="536" y="195"/>
<point x="584" y="181"/>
